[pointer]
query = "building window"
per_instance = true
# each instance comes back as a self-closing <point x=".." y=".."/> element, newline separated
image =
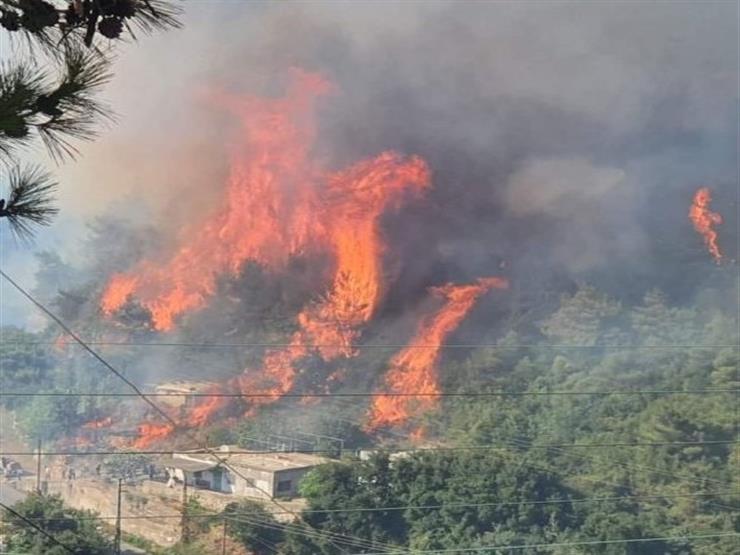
<point x="284" y="485"/>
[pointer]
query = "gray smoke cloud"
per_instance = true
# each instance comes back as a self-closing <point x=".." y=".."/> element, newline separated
<point x="553" y="129"/>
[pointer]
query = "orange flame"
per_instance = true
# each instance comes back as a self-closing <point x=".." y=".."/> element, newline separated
<point x="414" y="369"/>
<point x="704" y="220"/>
<point x="117" y="293"/>
<point x="357" y="198"/>
<point x="151" y="433"/>
<point x="268" y="216"/>
<point x="278" y="204"/>
<point x="202" y="411"/>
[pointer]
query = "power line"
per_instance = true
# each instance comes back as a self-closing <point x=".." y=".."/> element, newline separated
<point x="38" y="528"/>
<point x="308" y="533"/>
<point x="282" y="345"/>
<point x="394" y="450"/>
<point x="559" y="544"/>
<point x="562" y="501"/>
<point x="442" y="394"/>
<point x="139" y="393"/>
<point x="523" y="444"/>
<point x="132" y="385"/>
<point x="519" y="444"/>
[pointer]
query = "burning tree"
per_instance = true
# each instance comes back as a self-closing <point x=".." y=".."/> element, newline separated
<point x="704" y="221"/>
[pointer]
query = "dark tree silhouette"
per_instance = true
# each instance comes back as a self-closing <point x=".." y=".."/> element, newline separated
<point x="57" y="104"/>
<point x="51" y="23"/>
<point x="56" y="108"/>
<point x="29" y="202"/>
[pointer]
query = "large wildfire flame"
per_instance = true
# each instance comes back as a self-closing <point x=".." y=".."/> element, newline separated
<point x="270" y="212"/>
<point x="414" y="369"/>
<point x="704" y="220"/>
<point x="280" y="203"/>
<point x="357" y="199"/>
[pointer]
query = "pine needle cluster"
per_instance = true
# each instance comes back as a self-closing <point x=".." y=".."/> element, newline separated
<point x="51" y="93"/>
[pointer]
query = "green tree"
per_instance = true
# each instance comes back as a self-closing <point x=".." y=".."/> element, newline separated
<point x="48" y="418"/>
<point x="473" y="495"/>
<point x="587" y="317"/>
<point x="25" y="362"/>
<point x="353" y="485"/>
<point x="75" y="529"/>
<point x="253" y="526"/>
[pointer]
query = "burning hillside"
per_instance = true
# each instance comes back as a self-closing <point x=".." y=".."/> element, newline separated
<point x="280" y="203"/>
<point x="414" y="369"/>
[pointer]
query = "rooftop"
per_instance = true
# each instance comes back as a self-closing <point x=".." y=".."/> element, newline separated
<point x="270" y="462"/>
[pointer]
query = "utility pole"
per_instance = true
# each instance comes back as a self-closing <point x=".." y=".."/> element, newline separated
<point x="185" y="531"/>
<point x="223" y="538"/>
<point x="38" y="466"/>
<point x="118" y="519"/>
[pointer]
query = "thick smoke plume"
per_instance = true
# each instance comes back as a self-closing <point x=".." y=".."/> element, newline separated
<point x="563" y="141"/>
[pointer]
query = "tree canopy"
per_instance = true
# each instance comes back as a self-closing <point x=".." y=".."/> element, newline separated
<point x="75" y="530"/>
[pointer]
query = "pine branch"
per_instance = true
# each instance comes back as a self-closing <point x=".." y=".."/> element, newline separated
<point x="30" y="202"/>
<point x="70" y="110"/>
<point x="19" y="88"/>
<point x="60" y="113"/>
<point x="51" y="23"/>
<point x="157" y="15"/>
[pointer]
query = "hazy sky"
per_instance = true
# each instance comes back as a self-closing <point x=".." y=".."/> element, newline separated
<point x="574" y="112"/>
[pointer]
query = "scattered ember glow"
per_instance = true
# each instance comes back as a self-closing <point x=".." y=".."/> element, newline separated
<point x="60" y="343"/>
<point x="414" y="369"/>
<point x="81" y="442"/>
<point x="418" y="434"/>
<point x="704" y="221"/>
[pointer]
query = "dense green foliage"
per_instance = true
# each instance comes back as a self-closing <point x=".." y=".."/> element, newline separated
<point x="30" y="366"/>
<point x="252" y="526"/>
<point x="655" y="464"/>
<point x="75" y="529"/>
<point x="649" y="452"/>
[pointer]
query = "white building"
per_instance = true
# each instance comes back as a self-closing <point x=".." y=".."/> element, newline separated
<point x="245" y="474"/>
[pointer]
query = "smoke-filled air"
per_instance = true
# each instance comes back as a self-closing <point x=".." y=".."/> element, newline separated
<point x="468" y="228"/>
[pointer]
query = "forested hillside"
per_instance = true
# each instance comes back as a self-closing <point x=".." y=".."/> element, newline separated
<point x="596" y="421"/>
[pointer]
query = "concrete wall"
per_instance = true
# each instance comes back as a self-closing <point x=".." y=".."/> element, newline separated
<point x="294" y="475"/>
<point x="155" y="507"/>
<point x="155" y="518"/>
<point x="251" y="482"/>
